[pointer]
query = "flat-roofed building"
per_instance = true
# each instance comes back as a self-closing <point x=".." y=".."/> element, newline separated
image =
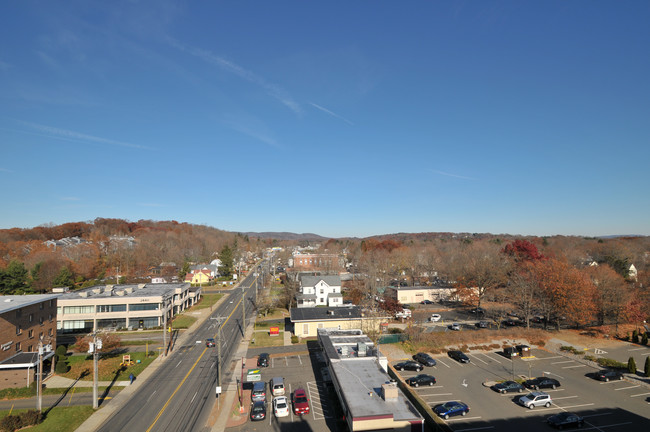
<point x="417" y="294"/>
<point x="123" y="306"/>
<point x="370" y="399"/>
<point x="26" y="320"/>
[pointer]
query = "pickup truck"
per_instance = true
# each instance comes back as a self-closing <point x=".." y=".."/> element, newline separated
<point x="404" y="313"/>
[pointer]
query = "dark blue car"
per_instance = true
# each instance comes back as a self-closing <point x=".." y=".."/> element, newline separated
<point x="449" y="409"/>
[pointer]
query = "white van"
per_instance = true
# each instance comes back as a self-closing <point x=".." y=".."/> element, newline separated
<point x="277" y="386"/>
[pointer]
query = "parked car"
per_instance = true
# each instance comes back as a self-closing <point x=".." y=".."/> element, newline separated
<point x="510" y="352"/>
<point x="258" y="411"/>
<point x="510" y="322"/>
<point x="452" y="408"/>
<point x="524" y="350"/>
<point x="281" y="406"/>
<point x="455" y="326"/>
<point x="435" y="317"/>
<point x="542" y="382"/>
<point x="424" y="359"/>
<point x="477" y="311"/>
<point x="300" y="402"/>
<point x="566" y="419"/>
<point x="482" y="324"/>
<point x="209" y="342"/>
<point x="422" y="379"/>
<point x="508" y="387"/>
<point x="258" y="394"/>
<point x="425" y="302"/>
<point x="458" y="356"/>
<point x="409" y="365"/>
<point x="536" y="398"/>
<point x="263" y="360"/>
<point x="607" y="375"/>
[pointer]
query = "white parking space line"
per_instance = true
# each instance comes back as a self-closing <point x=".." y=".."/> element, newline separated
<point x="640" y="394"/>
<point x="543" y="358"/>
<point x="564" y="397"/>
<point x="440" y="361"/>
<point x="609" y="382"/>
<point x="577" y="406"/>
<point x="571" y="367"/>
<point x="626" y="388"/>
<point x="567" y="361"/>
<point x="476" y="358"/>
<point x="462" y="418"/>
<point x="492" y="357"/>
<point x="636" y="349"/>
<point x="474" y="429"/>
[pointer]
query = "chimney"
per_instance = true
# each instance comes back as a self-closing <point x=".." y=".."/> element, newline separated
<point x="389" y="391"/>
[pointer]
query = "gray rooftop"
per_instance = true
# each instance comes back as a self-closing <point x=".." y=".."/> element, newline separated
<point x="115" y="291"/>
<point x="13" y="302"/>
<point x="324" y="313"/>
<point x="309" y="281"/>
<point x="420" y="288"/>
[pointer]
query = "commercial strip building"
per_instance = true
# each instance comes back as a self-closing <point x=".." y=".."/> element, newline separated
<point x="307" y="321"/>
<point x="369" y="398"/>
<point x="26" y="322"/>
<point x="417" y="294"/>
<point x="123" y="306"/>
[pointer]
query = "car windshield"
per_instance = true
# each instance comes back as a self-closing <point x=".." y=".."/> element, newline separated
<point x="301" y="399"/>
<point x="281" y="404"/>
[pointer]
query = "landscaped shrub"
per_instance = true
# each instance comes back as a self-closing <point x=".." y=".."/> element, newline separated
<point x="590" y="358"/>
<point x="10" y="423"/>
<point x="607" y="362"/>
<point x="395" y="330"/>
<point x="61" y="367"/>
<point x="646" y="368"/>
<point x="635" y="336"/>
<point x="631" y="365"/>
<point x="61" y="351"/>
<point x="15" y="422"/>
<point x="31" y="418"/>
<point x="295" y="339"/>
<point x="644" y="338"/>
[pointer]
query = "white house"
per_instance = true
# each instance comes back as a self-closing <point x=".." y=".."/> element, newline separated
<point x="320" y="291"/>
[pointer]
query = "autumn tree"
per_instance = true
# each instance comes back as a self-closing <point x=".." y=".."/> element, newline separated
<point x="478" y="268"/>
<point x="565" y="292"/>
<point x="110" y="341"/>
<point x="612" y="295"/>
<point x="523" y="290"/>
<point x="522" y="250"/>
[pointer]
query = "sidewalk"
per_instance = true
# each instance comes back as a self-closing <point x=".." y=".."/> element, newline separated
<point x="62" y="382"/>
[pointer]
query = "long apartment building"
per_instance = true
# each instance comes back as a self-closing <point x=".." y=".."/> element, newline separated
<point x="123" y="306"/>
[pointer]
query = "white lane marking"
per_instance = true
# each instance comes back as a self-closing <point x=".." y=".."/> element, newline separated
<point x="597" y="415"/>
<point x="567" y="361"/>
<point x="626" y="388"/>
<point x="577" y="406"/>
<point x="636" y="349"/>
<point x="194" y="397"/>
<point x="493" y="359"/>
<point x="543" y="358"/>
<point x="154" y="392"/>
<point x="640" y="394"/>
<point x="178" y="364"/>
<point x="564" y="397"/>
<point x="576" y="366"/>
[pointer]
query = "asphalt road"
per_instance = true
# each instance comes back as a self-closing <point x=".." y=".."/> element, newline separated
<point x="182" y="393"/>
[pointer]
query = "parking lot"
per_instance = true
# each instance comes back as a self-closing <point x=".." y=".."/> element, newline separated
<point x="606" y="406"/>
<point x="299" y="370"/>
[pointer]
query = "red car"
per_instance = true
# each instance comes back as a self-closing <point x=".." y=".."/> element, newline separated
<point x="300" y="402"/>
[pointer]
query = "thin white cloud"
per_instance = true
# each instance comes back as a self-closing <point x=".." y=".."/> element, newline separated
<point x="74" y="136"/>
<point x="333" y="114"/>
<point x="273" y="90"/>
<point x="452" y="175"/>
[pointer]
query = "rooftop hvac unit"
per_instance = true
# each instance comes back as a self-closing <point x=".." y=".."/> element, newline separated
<point x="345" y="350"/>
<point x="362" y="349"/>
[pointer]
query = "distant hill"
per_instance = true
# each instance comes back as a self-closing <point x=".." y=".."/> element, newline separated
<point x="285" y="236"/>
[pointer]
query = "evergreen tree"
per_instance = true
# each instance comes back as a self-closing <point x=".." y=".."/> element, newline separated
<point x="13" y="279"/>
<point x="646" y="368"/>
<point x="631" y="365"/>
<point x="227" y="261"/>
<point x="64" y="278"/>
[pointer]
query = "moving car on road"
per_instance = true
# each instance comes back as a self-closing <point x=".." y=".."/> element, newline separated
<point x="409" y="365"/>
<point x="209" y="342"/>
<point x="566" y="419"/>
<point x="452" y="408"/>
<point x="300" y="402"/>
<point x="459" y="356"/>
<point x="455" y="326"/>
<point x="542" y="382"/>
<point x="424" y="359"/>
<point x="422" y="379"/>
<point x="508" y="387"/>
<point x="435" y="317"/>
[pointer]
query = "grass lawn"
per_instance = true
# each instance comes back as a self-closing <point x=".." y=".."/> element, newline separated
<point x="108" y="366"/>
<point x="207" y="300"/>
<point x="183" y="321"/>
<point x="61" y="419"/>
<point x="266" y="324"/>
<point x="262" y="339"/>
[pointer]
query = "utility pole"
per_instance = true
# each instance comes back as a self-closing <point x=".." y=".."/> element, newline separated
<point x="165" y="327"/>
<point x="39" y="375"/>
<point x="93" y="347"/>
<point x="243" y="311"/>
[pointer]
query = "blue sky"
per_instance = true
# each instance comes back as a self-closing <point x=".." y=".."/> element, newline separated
<point x="341" y="118"/>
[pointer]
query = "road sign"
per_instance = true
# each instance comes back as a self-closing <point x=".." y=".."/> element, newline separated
<point x="253" y="375"/>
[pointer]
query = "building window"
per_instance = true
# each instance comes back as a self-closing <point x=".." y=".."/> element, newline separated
<point x="78" y="309"/>
<point x="50" y="317"/>
<point x="41" y="305"/>
<point x="19" y="313"/>
<point x="31" y="317"/>
<point x="322" y="291"/>
<point x="17" y="346"/>
<point x="305" y="329"/>
<point x="40" y="320"/>
<point x="49" y="332"/>
<point x="30" y="333"/>
<point x="30" y="348"/>
<point x="111" y="308"/>
<point x="19" y="329"/>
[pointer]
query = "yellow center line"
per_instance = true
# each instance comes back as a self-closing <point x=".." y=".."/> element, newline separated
<point x="162" y="410"/>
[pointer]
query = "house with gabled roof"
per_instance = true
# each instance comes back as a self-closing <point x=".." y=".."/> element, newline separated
<point x="320" y="291"/>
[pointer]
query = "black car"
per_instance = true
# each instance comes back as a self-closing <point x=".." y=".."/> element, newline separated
<point x="508" y="387"/>
<point x="426" y="302"/>
<point x="409" y="365"/>
<point x="477" y="311"/>
<point x="452" y="408"/>
<point x="424" y="359"/>
<point x="422" y="379"/>
<point x="565" y="419"/>
<point x="542" y="382"/>
<point x="258" y="411"/>
<point x="607" y="375"/>
<point x="458" y="356"/>
<point x="524" y="350"/>
<point x="482" y="324"/>
<point x="510" y="322"/>
<point x="263" y="360"/>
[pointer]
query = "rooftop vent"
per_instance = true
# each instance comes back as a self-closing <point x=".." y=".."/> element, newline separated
<point x="389" y="391"/>
<point x="109" y="287"/>
<point x="60" y="290"/>
<point x="119" y="293"/>
<point x="8" y="300"/>
<point x="128" y="290"/>
<point x="83" y="294"/>
<point x="140" y="286"/>
<point x="98" y="290"/>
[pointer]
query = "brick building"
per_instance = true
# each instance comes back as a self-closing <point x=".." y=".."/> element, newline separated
<point x="308" y="262"/>
<point x="24" y="321"/>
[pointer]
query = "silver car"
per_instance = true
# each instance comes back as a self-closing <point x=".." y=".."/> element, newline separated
<point x="536" y="398"/>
